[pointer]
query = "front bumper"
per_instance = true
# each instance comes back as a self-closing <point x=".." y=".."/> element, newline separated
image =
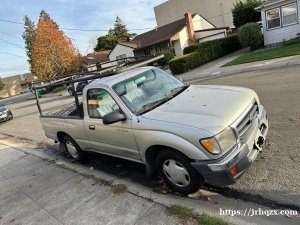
<point x="217" y="172"/>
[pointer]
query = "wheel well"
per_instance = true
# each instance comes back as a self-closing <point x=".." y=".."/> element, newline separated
<point x="153" y="151"/>
<point x="60" y="136"/>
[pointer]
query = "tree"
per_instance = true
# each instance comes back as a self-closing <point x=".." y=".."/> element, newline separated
<point x="244" y="12"/>
<point x="107" y="42"/>
<point x="44" y="15"/>
<point x="53" y="53"/>
<point x="2" y="85"/>
<point x="28" y="36"/>
<point x="115" y="35"/>
<point x="120" y="31"/>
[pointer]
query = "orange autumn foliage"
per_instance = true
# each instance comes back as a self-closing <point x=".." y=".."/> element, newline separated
<point x="53" y="53"/>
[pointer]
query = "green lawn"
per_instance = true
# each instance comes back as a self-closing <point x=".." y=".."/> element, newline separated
<point x="282" y="51"/>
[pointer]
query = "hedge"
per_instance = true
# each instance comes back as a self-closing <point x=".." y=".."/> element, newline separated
<point x="222" y="46"/>
<point x="185" y="63"/>
<point x="199" y="54"/>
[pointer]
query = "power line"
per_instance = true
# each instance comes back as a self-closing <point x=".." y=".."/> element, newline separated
<point x="12" y="54"/>
<point x="10" y="35"/>
<point x="8" y="21"/>
<point x="75" y="29"/>
<point x="11" y="43"/>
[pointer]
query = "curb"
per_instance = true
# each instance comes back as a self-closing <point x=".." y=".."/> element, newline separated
<point x="236" y="72"/>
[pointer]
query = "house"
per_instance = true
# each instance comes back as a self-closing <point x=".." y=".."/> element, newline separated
<point x="280" y="20"/>
<point x="96" y="60"/>
<point x="122" y="50"/>
<point x="176" y="36"/>
<point x="218" y="12"/>
<point x="211" y="34"/>
<point x="15" y="84"/>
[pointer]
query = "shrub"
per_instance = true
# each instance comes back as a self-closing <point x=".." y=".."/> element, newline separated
<point x="59" y="89"/>
<point x="199" y="54"/>
<point x="164" y="61"/>
<point x="250" y="36"/>
<point x="292" y="41"/>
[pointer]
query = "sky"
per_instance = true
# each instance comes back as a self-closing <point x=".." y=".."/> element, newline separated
<point x="72" y="14"/>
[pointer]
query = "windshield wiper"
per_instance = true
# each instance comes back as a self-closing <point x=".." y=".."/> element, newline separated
<point x="178" y="89"/>
<point x="147" y="107"/>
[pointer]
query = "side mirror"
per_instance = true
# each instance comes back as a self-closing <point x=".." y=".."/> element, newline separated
<point x="113" y="117"/>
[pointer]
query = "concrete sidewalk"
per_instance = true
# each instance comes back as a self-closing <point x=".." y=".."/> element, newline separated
<point x="35" y="190"/>
<point x="215" y="69"/>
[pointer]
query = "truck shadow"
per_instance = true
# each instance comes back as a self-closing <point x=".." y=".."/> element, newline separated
<point x="121" y="168"/>
<point x="136" y="172"/>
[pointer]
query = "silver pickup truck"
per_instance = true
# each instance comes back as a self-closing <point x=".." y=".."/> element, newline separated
<point x="189" y="134"/>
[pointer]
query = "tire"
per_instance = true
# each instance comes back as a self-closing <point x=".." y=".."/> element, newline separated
<point x="74" y="150"/>
<point x="70" y="92"/>
<point x="10" y="116"/>
<point x="178" y="173"/>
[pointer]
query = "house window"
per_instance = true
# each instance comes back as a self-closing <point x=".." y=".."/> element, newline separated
<point x="289" y="14"/>
<point x="123" y="56"/>
<point x="147" y="51"/>
<point x="282" y="16"/>
<point x="273" y="18"/>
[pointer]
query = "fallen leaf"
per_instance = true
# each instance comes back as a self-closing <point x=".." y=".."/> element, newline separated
<point x="289" y="216"/>
<point x="293" y="119"/>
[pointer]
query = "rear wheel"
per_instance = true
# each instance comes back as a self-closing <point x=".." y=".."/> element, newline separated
<point x="178" y="173"/>
<point x="73" y="148"/>
<point x="70" y="92"/>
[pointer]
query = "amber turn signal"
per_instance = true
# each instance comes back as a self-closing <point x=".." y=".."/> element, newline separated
<point x="234" y="171"/>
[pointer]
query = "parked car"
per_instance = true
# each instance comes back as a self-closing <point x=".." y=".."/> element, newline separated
<point x="79" y="87"/>
<point x="188" y="133"/>
<point x="5" y="114"/>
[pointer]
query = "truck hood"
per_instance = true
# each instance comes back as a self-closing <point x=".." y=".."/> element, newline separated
<point x="211" y="108"/>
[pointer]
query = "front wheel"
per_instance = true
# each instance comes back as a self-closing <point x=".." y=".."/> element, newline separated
<point x="178" y="173"/>
<point x="10" y="116"/>
<point x="73" y="149"/>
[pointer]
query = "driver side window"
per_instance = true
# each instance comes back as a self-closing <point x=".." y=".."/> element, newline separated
<point x="100" y="103"/>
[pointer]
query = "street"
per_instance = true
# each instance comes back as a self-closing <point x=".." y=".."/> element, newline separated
<point x="275" y="174"/>
<point x="274" y="178"/>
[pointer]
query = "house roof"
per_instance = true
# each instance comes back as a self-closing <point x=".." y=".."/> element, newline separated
<point x="267" y="3"/>
<point x="96" y="57"/>
<point x="160" y="34"/>
<point x="130" y="44"/>
<point x="212" y="29"/>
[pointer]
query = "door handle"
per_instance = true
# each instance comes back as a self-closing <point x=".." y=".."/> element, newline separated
<point x="91" y="127"/>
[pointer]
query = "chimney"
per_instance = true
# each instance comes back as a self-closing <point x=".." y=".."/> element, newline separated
<point x="190" y="27"/>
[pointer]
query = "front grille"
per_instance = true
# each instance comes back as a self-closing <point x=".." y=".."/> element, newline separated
<point x="245" y="123"/>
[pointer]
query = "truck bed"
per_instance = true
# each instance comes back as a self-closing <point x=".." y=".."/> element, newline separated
<point x="69" y="110"/>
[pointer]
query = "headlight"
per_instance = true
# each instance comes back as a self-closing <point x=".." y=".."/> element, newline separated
<point x="221" y="142"/>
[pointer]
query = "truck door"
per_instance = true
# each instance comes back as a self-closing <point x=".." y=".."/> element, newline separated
<point x="115" y="139"/>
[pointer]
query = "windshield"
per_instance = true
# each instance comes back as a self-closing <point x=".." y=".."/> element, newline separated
<point x="146" y="90"/>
